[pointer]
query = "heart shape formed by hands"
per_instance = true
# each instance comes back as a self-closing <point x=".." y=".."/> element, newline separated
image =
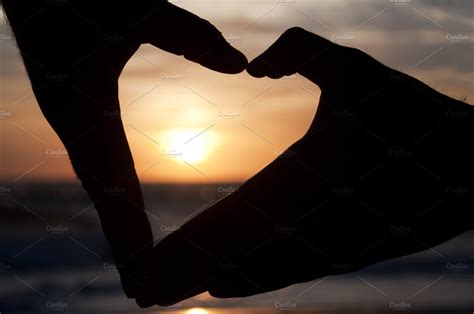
<point x="380" y="151"/>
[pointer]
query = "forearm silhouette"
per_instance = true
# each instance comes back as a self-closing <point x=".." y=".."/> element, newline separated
<point x="74" y="52"/>
<point x="384" y="170"/>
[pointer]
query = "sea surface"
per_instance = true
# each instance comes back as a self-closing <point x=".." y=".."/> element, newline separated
<point x="54" y="258"/>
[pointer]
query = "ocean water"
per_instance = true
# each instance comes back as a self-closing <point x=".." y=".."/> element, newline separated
<point x="54" y="258"/>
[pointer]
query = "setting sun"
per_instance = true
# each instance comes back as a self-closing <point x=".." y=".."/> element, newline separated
<point x="188" y="145"/>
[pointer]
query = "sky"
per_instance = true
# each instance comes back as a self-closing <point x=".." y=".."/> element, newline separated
<point x="186" y="124"/>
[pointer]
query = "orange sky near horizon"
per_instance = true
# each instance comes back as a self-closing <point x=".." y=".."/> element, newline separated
<point x="206" y="128"/>
<point x="186" y="124"/>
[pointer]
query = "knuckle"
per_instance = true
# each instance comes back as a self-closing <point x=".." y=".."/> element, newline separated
<point x="294" y="32"/>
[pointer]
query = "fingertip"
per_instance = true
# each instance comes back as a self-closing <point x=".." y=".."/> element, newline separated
<point x="147" y="297"/>
<point x="275" y="76"/>
<point x="144" y="302"/>
<point x="240" y="62"/>
<point x="258" y="68"/>
<point x="294" y="51"/>
<point x="223" y="58"/>
<point x="233" y="61"/>
<point x="193" y="37"/>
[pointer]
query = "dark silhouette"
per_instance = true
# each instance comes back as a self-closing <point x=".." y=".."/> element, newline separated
<point x="385" y="170"/>
<point x="74" y="52"/>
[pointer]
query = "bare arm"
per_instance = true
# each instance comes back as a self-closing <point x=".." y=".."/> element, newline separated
<point x="76" y="85"/>
<point x="73" y="66"/>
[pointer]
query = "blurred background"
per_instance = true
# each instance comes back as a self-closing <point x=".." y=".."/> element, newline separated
<point x="196" y="135"/>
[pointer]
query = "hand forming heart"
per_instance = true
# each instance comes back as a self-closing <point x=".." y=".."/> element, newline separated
<point x="74" y="53"/>
<point x="382" y="149"/>
<point x="358" y="188"/>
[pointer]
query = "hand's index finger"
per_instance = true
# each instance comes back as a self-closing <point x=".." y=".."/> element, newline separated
<point x="180" y="32"/>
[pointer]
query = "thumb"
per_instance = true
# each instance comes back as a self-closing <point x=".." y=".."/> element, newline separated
<point x="324" y="63"/>
<point x="295" y="51"/>
<point x="179" y="269"/>
<point x="180" y="32"/>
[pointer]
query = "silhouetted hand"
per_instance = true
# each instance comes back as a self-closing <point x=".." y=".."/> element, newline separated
<point x="372" y="179"/>
<point x="74" y="52"/>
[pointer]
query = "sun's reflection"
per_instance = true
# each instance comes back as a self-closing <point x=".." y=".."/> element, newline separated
<point x="197" y="310"/>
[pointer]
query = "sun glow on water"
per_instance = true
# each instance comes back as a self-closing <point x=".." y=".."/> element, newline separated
<point x="197" y="310"/>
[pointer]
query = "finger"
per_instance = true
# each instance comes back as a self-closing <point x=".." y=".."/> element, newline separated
<point x="180" y="32"/>
<point x="179" y="269"/>
<point x="296" y="51"/>
<point x="235" y="288"/>
<point x="266" y="269"/>
<point x="133" y="275"/>
<point x="331" y="66"/>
